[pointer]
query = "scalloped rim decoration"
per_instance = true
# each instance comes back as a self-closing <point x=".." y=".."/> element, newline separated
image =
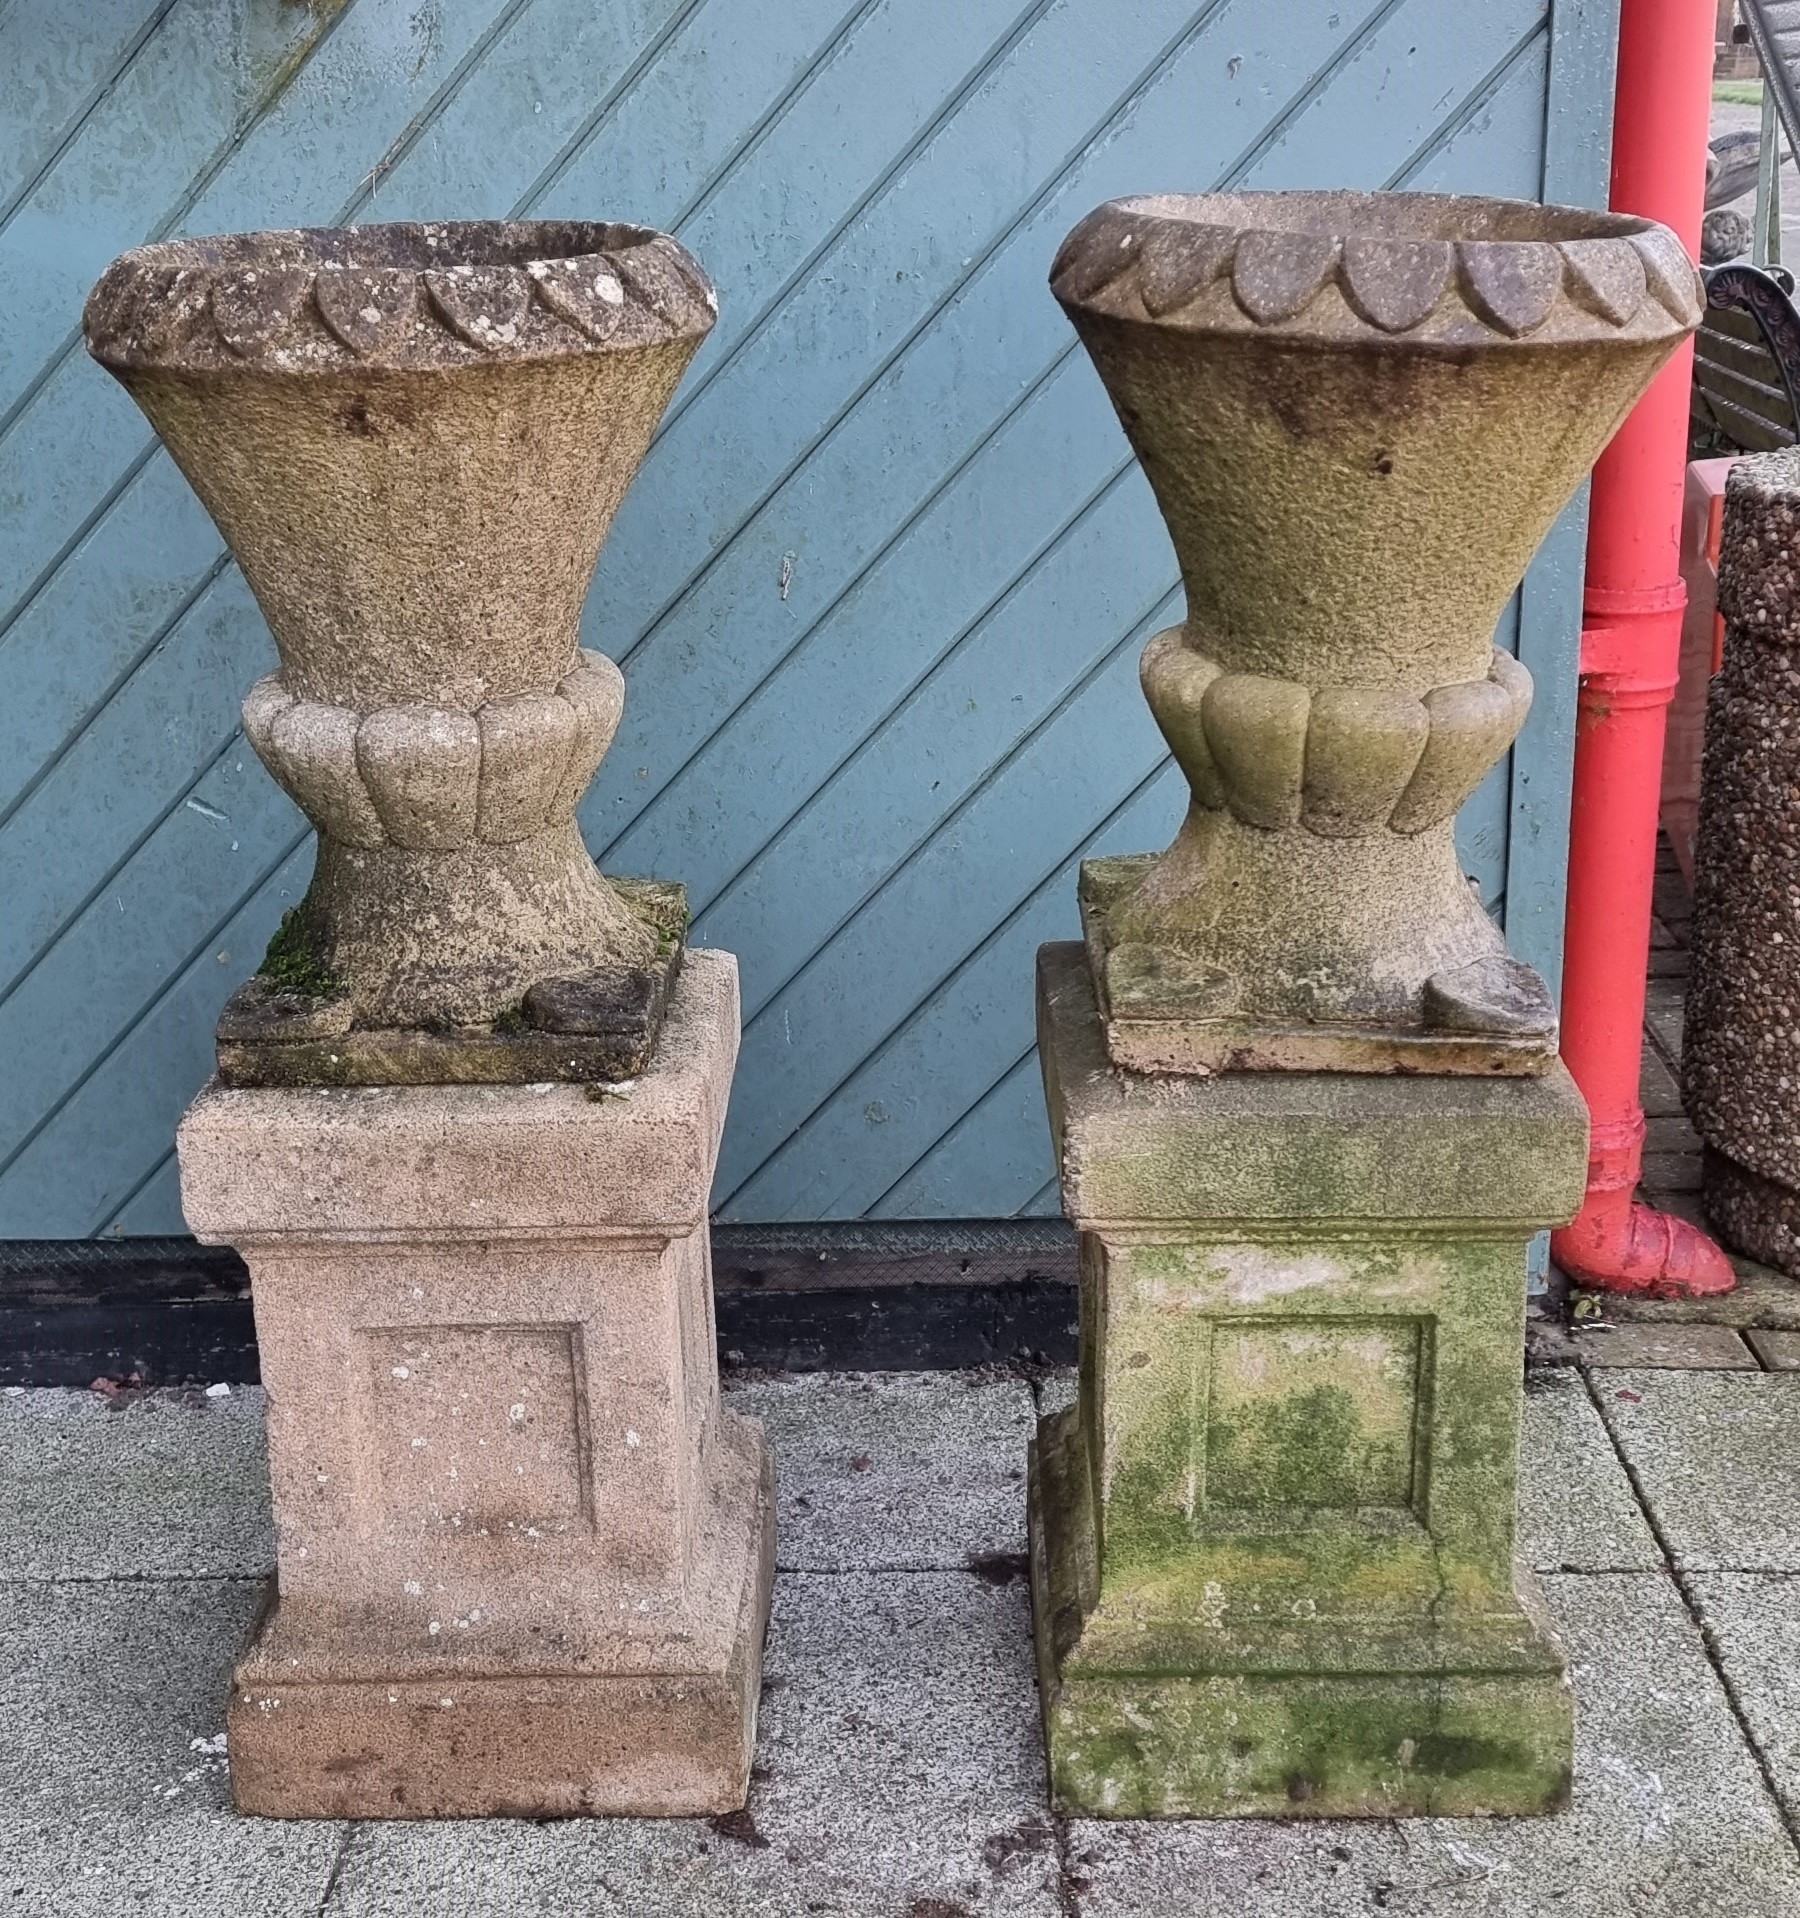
<point x="165" y="306"/>
<point x="1127" y="262"/>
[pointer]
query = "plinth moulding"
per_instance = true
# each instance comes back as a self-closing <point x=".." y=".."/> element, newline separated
<point x="1307" y="1108"/>
<point x="524" y="1553"/>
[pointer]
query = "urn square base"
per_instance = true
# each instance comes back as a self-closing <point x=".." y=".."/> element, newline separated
<point x="1167" y="1011"/>
<point x="1272" y="1543"/>
<point x="524" y="1555"/>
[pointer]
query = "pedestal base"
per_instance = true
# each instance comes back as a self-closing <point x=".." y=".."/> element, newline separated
<point x="1272" y="1544"/>
<point x="666" y="1730"/>
<point x="1423" y="1738"/>
<point x="524" y="1553"/>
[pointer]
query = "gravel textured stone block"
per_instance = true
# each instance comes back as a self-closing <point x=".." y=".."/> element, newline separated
<point x="147" y="1485"/>
<point x="114" y="1801"/>
<point x="909" y="1470"/>
<point x="1576" y="1508"/>
<point x="1670" y="1819"/>
<point x="1717" y="1456"/>
<point x="899" y="1775"/>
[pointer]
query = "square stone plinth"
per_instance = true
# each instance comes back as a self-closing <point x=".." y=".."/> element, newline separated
<point x="524" y="1556"/>
<point x="1272" y="1543"/>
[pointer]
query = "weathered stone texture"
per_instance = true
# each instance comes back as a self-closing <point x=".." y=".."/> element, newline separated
<point x="1360" y="414"/>
<point x="524" y="1555"/>
<point x="1741" y="1046"/>
<point x="414" y="439"/>
<point x="1273" y="1542"/>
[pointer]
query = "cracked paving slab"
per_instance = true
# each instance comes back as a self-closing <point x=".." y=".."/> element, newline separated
<point x="168" y="1484"/>
<point x="1753" y="1621"/>
<point x="1577" y="1512"/>
<point x="1717" y="1458"/>
<point x="1671" y="1817"/>
<point x="904" y="1470"/>
<point x="114" y="1799"/>
<point x="898" y="1775"/>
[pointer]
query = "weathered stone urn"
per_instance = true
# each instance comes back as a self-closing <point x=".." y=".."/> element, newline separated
<point x="1360" y="415"/>
<point x="524" y="1554"/>
<point x="414" y="439"/>
<point x="1307" y="1110"/>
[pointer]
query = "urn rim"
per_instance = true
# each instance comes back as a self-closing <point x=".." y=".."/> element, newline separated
<point x="397" y="297"/>
<point x="1412" y="269"/>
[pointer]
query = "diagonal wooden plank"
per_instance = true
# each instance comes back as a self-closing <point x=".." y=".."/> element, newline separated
<point x="1002" y="1171"/>
<point x="850" y="420"/>
<point x="981" y="534"/>
<point x="153" y="1209"/>
<point x="374" y="76"/>
<point x="1092" y="750"/>
<point x="1013" y="668"/>
<point x="785" y="59"/>
<point x="187" y="100"/>
<point x="890" y="400"/>
<point x="95" y="1150"/>
<point x="51" y="79"/>
<point x="815" y="867"/>
<point x="76" y="828"/>
<point x="83" y="989"/>
<point x="967" y="1031"/>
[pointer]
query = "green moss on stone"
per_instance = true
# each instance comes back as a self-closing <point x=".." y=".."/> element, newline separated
<point x="293" y="963"/>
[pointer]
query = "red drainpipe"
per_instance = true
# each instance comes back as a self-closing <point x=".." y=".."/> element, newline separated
<point x="1630" y="640"/>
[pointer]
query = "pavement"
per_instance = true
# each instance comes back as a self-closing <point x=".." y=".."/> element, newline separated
<point x="899" y="1772"/>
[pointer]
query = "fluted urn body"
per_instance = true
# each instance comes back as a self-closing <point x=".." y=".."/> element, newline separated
<point x="414" y="439"/>
<point x="1360" y="414"/>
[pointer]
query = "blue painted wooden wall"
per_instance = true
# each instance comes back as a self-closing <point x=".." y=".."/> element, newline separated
<point x="881" y="586"/>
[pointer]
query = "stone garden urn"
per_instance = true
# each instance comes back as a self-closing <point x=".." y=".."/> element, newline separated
<point x="1307" y="1111"/>
<point x="413" y="439"/>
<point x="1360" y="415"/>
<point x="524" y="1552"/>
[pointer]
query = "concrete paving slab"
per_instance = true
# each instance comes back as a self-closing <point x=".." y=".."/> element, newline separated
<point x="148" y="1485"/>
<point x="1753" y="1620"/>
<point x="1670" y="1819"/>
<point x="1764" y="1297"/>
<point x="1671" y="1172"/>
<point x="906" y="1470"/>
<point x="1715" y="1348"/>
<point x="114" y="1800"/>
<point x="1778" y="1351"/>
<point x="1716" y="1456"/>
<point x="1577" y="1512"/>
<point x="899" y="1775"/>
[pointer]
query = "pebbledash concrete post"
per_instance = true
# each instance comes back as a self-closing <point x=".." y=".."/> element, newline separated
<point x="1307" y="1109"/>
<point x="466" y="1115"/>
